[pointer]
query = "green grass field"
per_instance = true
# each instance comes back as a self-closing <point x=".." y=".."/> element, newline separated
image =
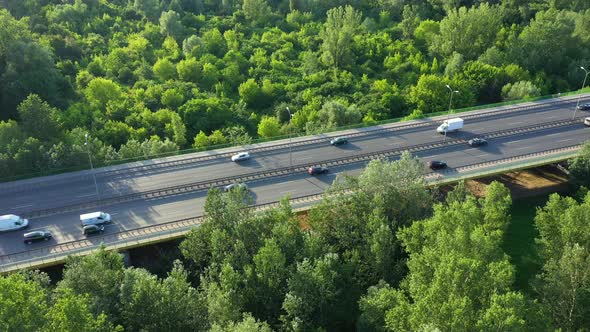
<point x="519" y="241"/>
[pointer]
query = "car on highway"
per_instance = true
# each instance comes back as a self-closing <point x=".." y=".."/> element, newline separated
<point x="95" y="218"/>
<point x="478" y="141"/>
<point x="584" y="107"/>
<point x="12" y="222"/>
<point x="35" y="236"/>
<point x="587" y="122"/>
<point x="437" y="164"/>
<point x="317" y="170"/>
<point x="92" y="229"/>
<point x="240" y="156"/>
<point x="235" y="186"/>
<point x="339" y="141"/>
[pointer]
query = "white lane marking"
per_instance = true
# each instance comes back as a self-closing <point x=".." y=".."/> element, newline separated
<point x="553" y="134"/>
<point x="480" y="156"/>
<point x="21" y="206"/>
<point x="515" y="123"/>
<point x="565" y="140"/>
<point x="93" y="194"/>
<point x="478" y="128"/>
<point x="552" y="117"/>
<point x="396" y="143"/>
<point x="511" y="142"/>
<point x="286" y="192"/>
<point x="521" y="148"/>
<point x="114" y="213"/>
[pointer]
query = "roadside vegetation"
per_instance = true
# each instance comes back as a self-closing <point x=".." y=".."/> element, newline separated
<point x="381" y="252"/>
<point x="149" y="77"/>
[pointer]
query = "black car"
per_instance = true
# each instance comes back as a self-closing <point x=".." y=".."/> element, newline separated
<point x="339" y="141"/>
<point x="35" y="236"/>
<point x="92" y="229"/>
<point x="477" y="141"/>
<point x="317" y="170"/>
<point x="436" y="164"/>
<point x="584" y="107"/>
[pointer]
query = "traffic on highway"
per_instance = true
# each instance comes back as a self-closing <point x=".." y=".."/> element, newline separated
<point x="65" y="208"/>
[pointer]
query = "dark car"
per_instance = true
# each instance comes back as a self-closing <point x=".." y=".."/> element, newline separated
<point x="339" y="141"/>
<point x="317" y="170"/>
<point x="478" y="141"/>
<point x="436" y="164"/>
<point x="92" y="229"/>
<point x="584" y="107"/>
<point x="35" y="236"/>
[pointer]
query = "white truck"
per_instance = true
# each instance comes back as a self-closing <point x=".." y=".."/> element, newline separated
<point x="11" y="222"/>
<point x="450" y="125"/>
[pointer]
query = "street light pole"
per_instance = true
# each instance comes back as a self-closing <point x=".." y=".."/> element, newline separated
<point x="290" y="148"/>
<point x="579" y="96"/>
<point x="91" y="167"/>
<point x="450" y="103"/>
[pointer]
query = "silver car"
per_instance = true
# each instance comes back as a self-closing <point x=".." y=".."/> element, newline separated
<point x="240" y="156"/>
<point x="235" y="186"/>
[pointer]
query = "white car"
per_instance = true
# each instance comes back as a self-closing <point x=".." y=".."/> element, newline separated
<point x="238" y="186"/>
<point x="240" y="156"/>
<point x="587" y="122"/>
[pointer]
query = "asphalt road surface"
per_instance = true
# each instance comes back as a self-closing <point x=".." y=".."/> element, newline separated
<point x="129" y="215"/>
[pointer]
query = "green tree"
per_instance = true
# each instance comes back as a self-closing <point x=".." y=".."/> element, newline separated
<point x="374" y="306"/>
<point x="38" y="119"/>
<point x="251" y="93"/>
<point x="459" y="277"/>
<point x="201" y="140"/>
<point x="342" y="24"/>
<point x="99" y="275"/>
<point x="29" y="69"/>
<point x="247" y="324"/>
<point x="23" y="304"/>
<point x="317" y="295"/>
<point x="164" y="69"/>
<point x="520" y="90"/>
<point x="100" y="91"/>
<point x="71" y="313"/>
<point x="189" y="70"/>
<point x="469" y="31"/>
<point x="149" y="8"/>
<point x="565" y="288"/>
<point x="170" y="25"/>
<point x="172" y="98"/>
<point x="255" y="10"/>
<point x="214" y="43"/>
<point x="579" y="167"/>
<point x="269" y="126"/>
<point x="547" y="43"/>
<point x="149" y="304"/>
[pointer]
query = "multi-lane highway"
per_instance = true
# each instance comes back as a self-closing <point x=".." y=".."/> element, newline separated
<point x="511" y="131"/>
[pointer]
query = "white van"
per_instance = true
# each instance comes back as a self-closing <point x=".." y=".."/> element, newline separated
<point x="95" y="218"/>
<point x="11" y="222"/>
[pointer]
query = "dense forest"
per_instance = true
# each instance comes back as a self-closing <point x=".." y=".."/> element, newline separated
<point x="381" y="252"/>
<point x="145" y="77"/>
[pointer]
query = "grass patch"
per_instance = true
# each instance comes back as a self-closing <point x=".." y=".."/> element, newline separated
<point x="519" y="240"/>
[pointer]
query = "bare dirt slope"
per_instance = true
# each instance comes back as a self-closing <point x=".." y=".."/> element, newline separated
<point x="525" y="183"/>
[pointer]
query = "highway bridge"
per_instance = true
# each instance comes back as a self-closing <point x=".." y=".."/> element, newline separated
<point x="162" y="198"/>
